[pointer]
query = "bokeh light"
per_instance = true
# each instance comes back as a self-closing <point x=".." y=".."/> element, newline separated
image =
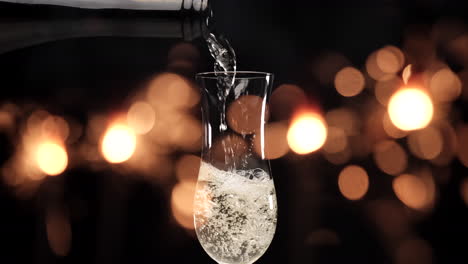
<point x="349" y="82"/>
<point x="390" y="129"/>
<point x="445" y="85"/>
<point x="285" y="100"/>
<point x="118" y="143"/>
<point x="187" y="168"/>
<point x="373" y="69"/>
<point x="410" y="109"/>
<point x="182" y="203"/>
<point x="390" y="59"/>
<point x="426" y="143"/>
<point x="462" y="133"/>
<point x="338" y="158"/>
<point x="385" y="89"/>
<point x="51" y="158"/>
<point x="390" y="157"/>
<point x="353" y="182"/>
<point x="276" y="144"/>
<point x="307" y="133"/>
<point x="416" y="192"/>
<point x="344" y="118"/>
<point x="59" y="232"/>
<point x="414" y="251"/>
<point x="169" y="90"/>
<point x="337" y="140"/>
<point x="141" y="117"/>
<point x="229" y="150"/>
<point x="247" y="114"/>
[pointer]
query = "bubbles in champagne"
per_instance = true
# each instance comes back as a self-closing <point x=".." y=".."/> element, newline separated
<point x="235" y="213"/>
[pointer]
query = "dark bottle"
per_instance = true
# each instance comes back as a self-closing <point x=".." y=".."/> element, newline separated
<point x="25" y="23"/>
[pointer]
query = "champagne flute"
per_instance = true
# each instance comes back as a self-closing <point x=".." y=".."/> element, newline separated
<point x="235" y="208"/>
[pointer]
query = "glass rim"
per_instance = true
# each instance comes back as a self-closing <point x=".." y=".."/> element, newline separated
<point x="244" y="74"/>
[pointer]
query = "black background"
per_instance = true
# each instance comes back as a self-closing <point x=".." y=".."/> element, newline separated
<point x="116" y="220"/>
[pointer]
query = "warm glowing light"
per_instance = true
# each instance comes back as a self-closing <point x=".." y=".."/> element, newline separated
<point x="407" y="72"/>
<point x="385" y="89"/>
<point x="55" y="127"/>
<point x="141" y="117"/>
<point x="182" y="204"/>
<point x="344" y="118"/>
<point x="450" y="145"/>
<point x="390" y="59"/>
<point x="390" y="157"/>
<point x="307" y="133"/>
<point x="187" y="168"/>
<point x="349" y="82"/>
<point x="462" y="133"/>
<point x="410" y="109"/>
<point x="172" y="91"/>
<point x="391" y="130"/>
<point x="247" y="114"/>
<point x="275" y="140"/>
<point x="411" y="190"/>
<point x="186" y="133"/>
<point x="118" y="144"/>
<point x="51" y="158"/>
<point x="353" y="182"/>
<point x="338" y="158"/>
<point x="285" y="100"/>
<point x="59" y="232"/>
<point x="373" y="69"/>
<point x="337" y="141"/>
<point x="445" y="85"/>
<point x="426" y="143"/>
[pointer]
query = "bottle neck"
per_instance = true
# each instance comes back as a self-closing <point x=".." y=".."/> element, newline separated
<point x="162" y="5"/>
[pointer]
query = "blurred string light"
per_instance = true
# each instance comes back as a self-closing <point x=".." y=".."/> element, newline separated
<point x="169" y="90"/>
<point x="450" y="144"/>
<point x="415" y="191"/>
<point x="51" y="158"/>
<point x="410" y="109"/>
<point x="307" y="133"/>
<point x="390" y="157"/>
<point x="285" y="100"/>
<point x="182" y="203"/>
<point x="349" y="82"/>
<point x="385" y="89"/>
<point x="344" y="118"/>
<point x="247" y="114"/>
<point x="59" y="232"/>
<point x="275" y="141"/>
<point x="337" y="141"/>
<point x="353" y="182"/>
<point x="327" y="65"/>
<point x="445" y="85"/>
<point x="390" y="129"/>
<point x="141" y="117"/>
<point x="118" y="143"/>
<point x="426" y="143"/>
<point x="413" y="251"/>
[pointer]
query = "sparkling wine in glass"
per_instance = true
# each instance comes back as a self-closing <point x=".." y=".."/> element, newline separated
<point x="235" y="209"/>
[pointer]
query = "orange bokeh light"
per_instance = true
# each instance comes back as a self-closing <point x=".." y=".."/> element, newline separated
<point x="51" y="158"/>
<point x="141" y="117"/>
<point x="247" y="114"/>
<point x="349" y="82"/>
<point x="410" y="109"/>
<point x="118" y="144"/>
<point x="353" y="182"/>
<point x="417" y="192"/>
<point x="390" y="157"/>
<point x="426" y="143"/>
<point x="276" y="144"/>
<point x="182" y="203"/>
<point x="307" y="133"/>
